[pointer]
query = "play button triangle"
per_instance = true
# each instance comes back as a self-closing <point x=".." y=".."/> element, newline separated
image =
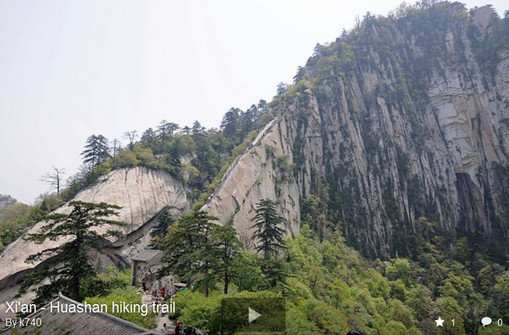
<point x="253" y="315"/>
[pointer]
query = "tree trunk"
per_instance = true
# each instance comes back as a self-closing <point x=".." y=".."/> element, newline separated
<point x="75" y="288"/>
<point x="226" y="282"/>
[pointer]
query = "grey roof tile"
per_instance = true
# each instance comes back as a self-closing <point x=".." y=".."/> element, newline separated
<point x="79" y="323"/>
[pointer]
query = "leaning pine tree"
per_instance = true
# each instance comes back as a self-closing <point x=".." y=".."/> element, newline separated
<point x="69" y="266"/>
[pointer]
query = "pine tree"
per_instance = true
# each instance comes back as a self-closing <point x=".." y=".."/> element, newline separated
<point x="186" y="130"/>
<point x="197" y="129"/>
<point x="231" y="122"/>
<point x="201" y="251"/>
<point x="115" y="147"/>
<point x="148" y="136"/>
<point x="69" y="264"/>
<point x="96" y="151"/>
<point x="167" y="129"/>
<point x="267" y="233"/>
<point x="225" y="247"/>
<point x="183" y="245"/>
<point x="164" y="221"/>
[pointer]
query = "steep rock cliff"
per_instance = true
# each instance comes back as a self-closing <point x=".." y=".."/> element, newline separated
<point x="416" y="125"/>
<point x="142" y="193"/>
<point x="262" y="171"/>
<point x="402" y="117"/>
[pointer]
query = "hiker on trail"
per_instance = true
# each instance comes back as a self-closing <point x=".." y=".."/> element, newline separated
<point x="177" y="327"/>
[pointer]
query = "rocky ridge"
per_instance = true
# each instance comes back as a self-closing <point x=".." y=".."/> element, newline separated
<point x="142" y="193"/>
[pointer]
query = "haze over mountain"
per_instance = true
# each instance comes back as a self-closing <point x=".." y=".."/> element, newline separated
<point x="78" y="68"/>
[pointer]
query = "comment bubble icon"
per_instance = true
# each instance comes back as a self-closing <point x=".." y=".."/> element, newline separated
<point x="486" y="321"/>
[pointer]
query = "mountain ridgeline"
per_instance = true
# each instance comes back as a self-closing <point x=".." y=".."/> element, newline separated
<point x="401" y="118"/>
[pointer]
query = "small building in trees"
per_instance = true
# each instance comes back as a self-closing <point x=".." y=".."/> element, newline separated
<point x="144" y="266"/>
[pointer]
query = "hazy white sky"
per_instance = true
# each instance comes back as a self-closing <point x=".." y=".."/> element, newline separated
<point x="73" y="68"/>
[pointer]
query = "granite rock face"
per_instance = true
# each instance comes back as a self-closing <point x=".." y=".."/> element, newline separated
<point x="262" y="171"/>
<point x="411" y="123"/>
<point x="142" y="193"/>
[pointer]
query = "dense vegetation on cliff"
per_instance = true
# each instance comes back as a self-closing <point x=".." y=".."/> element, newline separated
<point x="194" y="155"/>
<point x="411" y="112"/>
<point x="17" y="217"/>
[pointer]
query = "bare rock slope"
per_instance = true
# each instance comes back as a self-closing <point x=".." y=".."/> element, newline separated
<point x="142" y="193"/>
<point x="262" y="171"/>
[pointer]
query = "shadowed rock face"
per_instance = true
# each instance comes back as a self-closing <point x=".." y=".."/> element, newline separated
<point x="415" y="125"/>
<point x="142" y="193"/>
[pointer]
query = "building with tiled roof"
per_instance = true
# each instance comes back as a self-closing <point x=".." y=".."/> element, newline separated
<point x="77" y="323"/>
<point x="142" y="264"/>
